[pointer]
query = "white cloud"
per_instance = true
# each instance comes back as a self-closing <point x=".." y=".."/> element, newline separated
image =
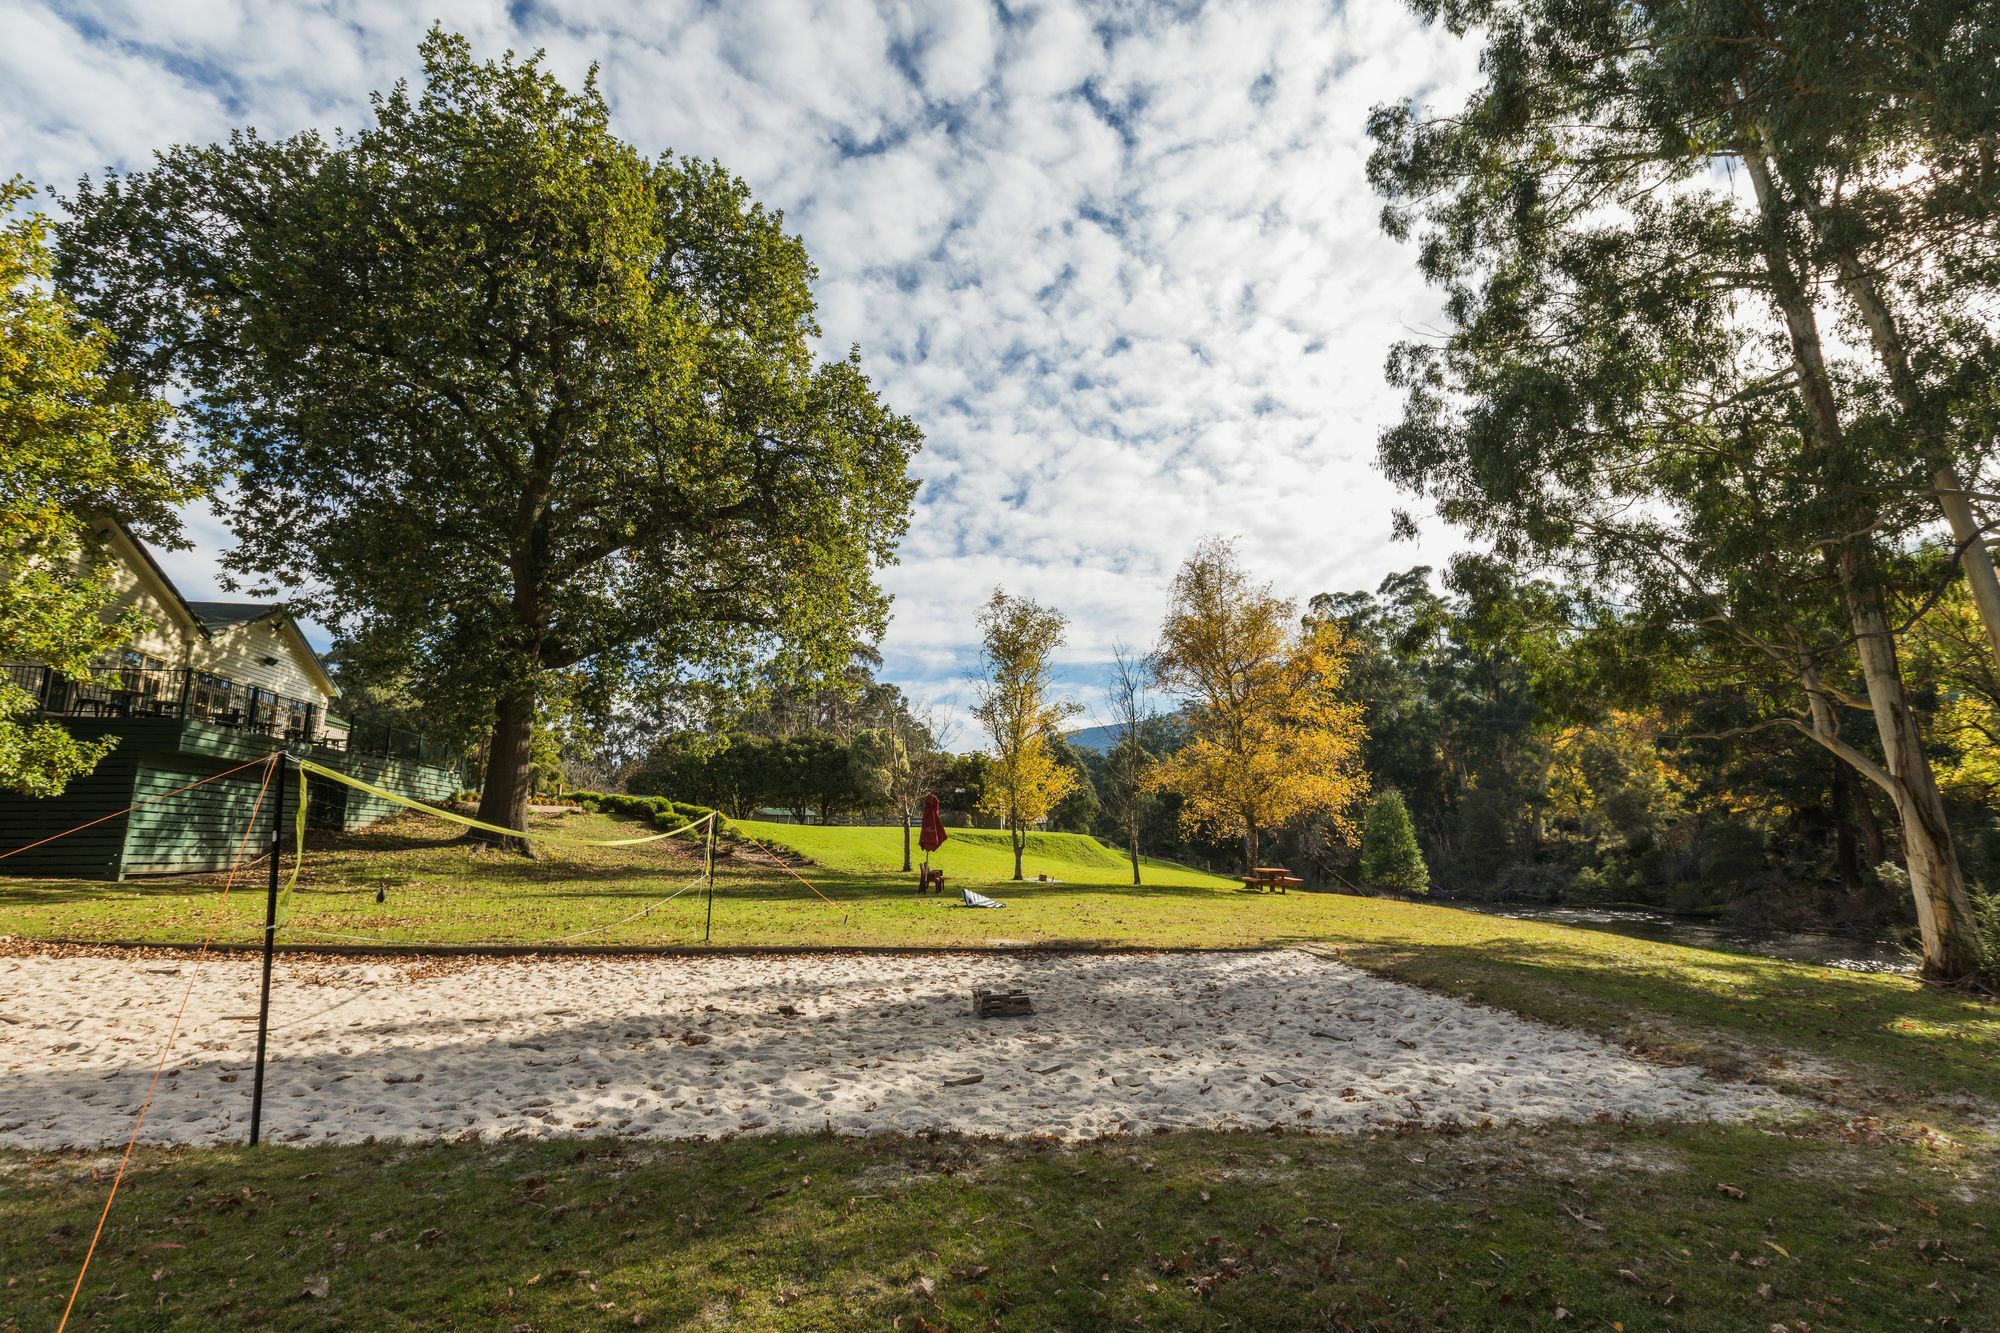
<point x="1121" y="265"/>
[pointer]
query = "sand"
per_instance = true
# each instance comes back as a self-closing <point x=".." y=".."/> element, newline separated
<point x="689" y="1047"/>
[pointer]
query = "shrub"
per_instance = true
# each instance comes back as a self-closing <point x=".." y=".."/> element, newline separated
<point x="657" y="810"/>
<point x="1986" y="936"/>
<point x="1390" y="857"/>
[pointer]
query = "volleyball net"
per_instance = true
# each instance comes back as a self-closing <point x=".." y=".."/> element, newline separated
<point x="364" y="864"/>
<point x="407" y="884"/>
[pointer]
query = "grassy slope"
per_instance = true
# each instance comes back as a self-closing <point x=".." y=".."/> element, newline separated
<point x="976" y="857"/>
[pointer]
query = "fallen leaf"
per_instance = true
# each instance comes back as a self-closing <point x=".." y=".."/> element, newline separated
<point x="317" y="1286"/>
<point x="1731" y="1190"/>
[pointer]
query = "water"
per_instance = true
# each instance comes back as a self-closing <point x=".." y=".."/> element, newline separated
<point x="1860" y="953"/>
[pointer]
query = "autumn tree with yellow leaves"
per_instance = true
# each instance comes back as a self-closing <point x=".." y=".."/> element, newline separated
<point x="1260" y="690"/>
<point x="1018" y="637"/>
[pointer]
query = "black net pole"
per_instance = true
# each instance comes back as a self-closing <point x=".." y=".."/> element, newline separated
<point x="708" y="925"/>
<point x="270" y="940"/>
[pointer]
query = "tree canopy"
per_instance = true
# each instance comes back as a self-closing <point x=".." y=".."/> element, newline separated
<point x="1273" y="736"/>
<point x="78" y="444"/>
<point x="501" y="397"/>
<point x="1026" y="779"/>
<point x="1640" y="387"/>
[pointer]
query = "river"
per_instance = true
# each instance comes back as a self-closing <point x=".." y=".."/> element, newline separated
<point x="1861" y="953"/>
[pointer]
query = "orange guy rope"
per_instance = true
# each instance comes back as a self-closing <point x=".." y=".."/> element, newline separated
<point x="194" y="973"/>
<point x="789" y="871"/>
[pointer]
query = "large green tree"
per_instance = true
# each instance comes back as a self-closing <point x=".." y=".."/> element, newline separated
<point x="77" y="444"/>
<point x="1640" y="382"/>
<point x="504" y="398"/>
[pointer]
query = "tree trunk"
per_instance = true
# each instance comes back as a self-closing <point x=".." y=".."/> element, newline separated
<point x="1132" y="836"/>
<point x="906" y="842"/>
<point x="1019" y="840"/>
<point x="503" y="800"/>
<point x="1858" y="283"/>
<point x="1967" y="528"/>
<point x="1944" y="911"/>
<point x="1249" y="845"/>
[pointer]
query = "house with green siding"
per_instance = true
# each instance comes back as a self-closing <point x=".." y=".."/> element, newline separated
<point x="207" y="687"/>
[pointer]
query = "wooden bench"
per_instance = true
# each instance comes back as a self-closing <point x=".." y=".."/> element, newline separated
<point x="932" y="880"/>
<point x="1275" y="879"/>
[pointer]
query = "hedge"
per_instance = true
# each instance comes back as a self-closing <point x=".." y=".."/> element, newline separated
<point x="661" y="811"/>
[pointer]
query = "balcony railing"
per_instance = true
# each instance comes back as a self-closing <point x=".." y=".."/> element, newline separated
<point x="186" y="694"/>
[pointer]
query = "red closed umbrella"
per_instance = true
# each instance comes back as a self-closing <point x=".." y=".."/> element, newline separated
<point x="930" y="840"/>
<point x="933" y="835"/>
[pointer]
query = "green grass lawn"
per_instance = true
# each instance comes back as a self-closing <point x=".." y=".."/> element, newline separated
<point x="1590" y="1227"/>
<point x="1877" y="1211"/>
<point x="978" y="858"/>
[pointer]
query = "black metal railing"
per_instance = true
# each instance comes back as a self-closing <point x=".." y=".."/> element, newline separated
<point x="397" y="743"/>
<point x="192" y="695"/>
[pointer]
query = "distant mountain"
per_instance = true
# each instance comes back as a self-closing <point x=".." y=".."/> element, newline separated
<point x="1098" y="740"/>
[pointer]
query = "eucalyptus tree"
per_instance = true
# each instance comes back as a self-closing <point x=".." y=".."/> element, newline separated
<point x="506" y="397"/>
<point x="1870" y="139"/>
<point x="1638" y="383"/>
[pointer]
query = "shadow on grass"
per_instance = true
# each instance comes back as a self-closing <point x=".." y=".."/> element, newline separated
<point x="841" y="1233"/>
<point x="1929" y="1040"/>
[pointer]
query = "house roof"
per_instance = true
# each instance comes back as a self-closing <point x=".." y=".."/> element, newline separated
<point x="223" y="615"/>
<point x="211" y="617"/>
<point x="215" y="616"/>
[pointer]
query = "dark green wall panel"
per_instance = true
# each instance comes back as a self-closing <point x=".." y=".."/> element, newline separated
<point x="195" y="830"/>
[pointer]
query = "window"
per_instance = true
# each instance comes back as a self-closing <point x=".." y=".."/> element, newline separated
<point x="210" y="695"/>
<point x="141" y="674"/>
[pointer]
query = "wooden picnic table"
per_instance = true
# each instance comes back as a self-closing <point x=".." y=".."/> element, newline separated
<point x="1275" y="879"/>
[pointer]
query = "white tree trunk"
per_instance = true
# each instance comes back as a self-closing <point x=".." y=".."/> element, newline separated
<point x="1937" y="883"/>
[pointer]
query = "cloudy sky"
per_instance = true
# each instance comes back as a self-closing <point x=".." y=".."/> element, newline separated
<point x="1120" y="264"/>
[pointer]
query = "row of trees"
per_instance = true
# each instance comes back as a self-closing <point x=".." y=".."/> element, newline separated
<point x="1266" y="735"/>
<point x="531" y="419"/>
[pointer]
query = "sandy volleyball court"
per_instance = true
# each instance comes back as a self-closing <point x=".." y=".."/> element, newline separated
<point x="676" y="1047"/>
